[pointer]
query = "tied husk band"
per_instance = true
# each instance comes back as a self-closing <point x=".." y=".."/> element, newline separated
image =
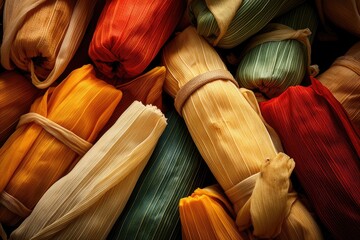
<point x="224" y="12"/>
<point x="14" y="205"/>
<point x="70" y="139"/>
<point x="197" y="82"/>
<point x="280" y="32"/>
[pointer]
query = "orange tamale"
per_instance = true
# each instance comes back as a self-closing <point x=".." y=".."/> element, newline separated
<point x="37" y="154"/>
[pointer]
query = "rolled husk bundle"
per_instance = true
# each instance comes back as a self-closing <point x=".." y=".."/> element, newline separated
<point x="208" y="214"/>
<point x="130" y="33"/>
<point x="228" y="23"/>
<point x="230" y="135"/>
<point x="16" y="97"/>
<point x="316" y="131"/>
<point x="86" y="202"/>
<point x="146" y="88"/>
<point x="174" y="170"/>
<point x="344" y="14"/>
<point x="279" y="55"/>
<point x="50" y="140"/>
<point x="41" y="36"/>
<point x="343" y="81"/>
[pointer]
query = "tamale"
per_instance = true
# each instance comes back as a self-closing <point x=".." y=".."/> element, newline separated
<point x="50" y="140"/>
<point x="86" y="202"/>
<point x="343" y="81"/>
<point x="316" y="131"/>
<point x="227" y="129"/>
<point x="279" y="55"/>
<point x="42" y="36"/>
<point x="211" y="18"/>
<point x="130" y="33"/>
<point x="207" y="214"/>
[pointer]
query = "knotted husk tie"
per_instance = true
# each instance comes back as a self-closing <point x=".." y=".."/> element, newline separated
<point x="228" y="23"/>
<point x="16" y="97"/>
<point x="174" y="170"/>
<point x="270" y="202"/>
<point x="273" y="60"/>
<point x="223" y="12"/>
<point x="327" y="163"/>
<point x="227" y="130"/>
<point x="343" y="81"/>
<point x="125" y="42"/>
<point x="42" y="151"/>
<point x="42" y="36"/>
<point x="85" y="203"/>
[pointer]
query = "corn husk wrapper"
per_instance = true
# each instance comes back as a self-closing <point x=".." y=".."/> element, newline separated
<point x="42" y="36"/>
<point x="130" y="33"/>
<point x="35" y="156"/>
<point x="228" y="131"/>
<point x="208" y="214"/>
<point x="316" y="131"/>
<point x="222" y="27"/>
<point x="272" y="62"/>
<point x="86" y="202"/>
<point x="16" y="97"/>
<point x="174" y="170"/>
<point x="343" y="81"/>
<point x="344" y="14"/>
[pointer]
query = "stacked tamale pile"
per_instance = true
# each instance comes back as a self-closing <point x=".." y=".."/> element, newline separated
<point x="180" y="119"/>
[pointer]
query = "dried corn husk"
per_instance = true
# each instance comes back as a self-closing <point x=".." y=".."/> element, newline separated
<point x="230" y="29"/>
<point x="174" y="170"/>
<point x="344" y="14"/>
<point x="279" y="56"/>
<point x="316" y="131"/>
<point x="225" y="127"/>
<point x="130" y="33"/>
<point x="16" y="97"/>
<point x="40" y="151"/>
<point x="86" y="202"/>
<point x="343" y="81"/>
<point x="42" y="36"/>
<point x="207" y="214"/>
